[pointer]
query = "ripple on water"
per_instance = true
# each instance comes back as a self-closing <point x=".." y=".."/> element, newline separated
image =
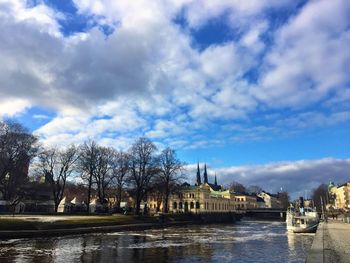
<point x="243" y="242"/>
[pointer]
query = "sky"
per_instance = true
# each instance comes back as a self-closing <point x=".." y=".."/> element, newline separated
<point x="258" y="89"/>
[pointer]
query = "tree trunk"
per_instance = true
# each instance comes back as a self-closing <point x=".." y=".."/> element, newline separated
<point x="119" y="197"/>
<point x="138" y="204"/>
<point x="56" y="206"/>
<point x="166" y="205"/>
<point x="89" y="194"/>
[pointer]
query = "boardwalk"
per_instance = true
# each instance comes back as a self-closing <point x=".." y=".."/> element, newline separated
<point x="331" y="243"/>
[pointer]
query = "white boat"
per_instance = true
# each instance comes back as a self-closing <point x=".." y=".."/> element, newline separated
<point x="305" y="220"/>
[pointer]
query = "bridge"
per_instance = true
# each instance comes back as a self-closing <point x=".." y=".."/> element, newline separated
<point x="266" y="213"/>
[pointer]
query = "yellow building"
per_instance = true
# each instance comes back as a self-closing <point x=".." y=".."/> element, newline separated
<point x="200" y="198"/>
<point x="244" y="201"/>
<point x="341" y="195"/>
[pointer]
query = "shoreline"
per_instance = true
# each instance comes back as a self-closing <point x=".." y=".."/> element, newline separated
<point x="7" y="234"/>
<point x="42" y="226"/>
<point x="110" y="227"/>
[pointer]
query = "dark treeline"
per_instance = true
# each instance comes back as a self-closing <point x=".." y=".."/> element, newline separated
<point x="103" y="171"/>
<point x="320" y="197"/>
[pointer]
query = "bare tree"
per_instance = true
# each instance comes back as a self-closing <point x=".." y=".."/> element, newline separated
<point x="104" y="171"/>
<point x="157" y="191"/>
<point x="254" y="189"/>
<point x="320" y="193"/>
<point x="120" y="171"/>
<point x="57" y="166"/>
<point x="87" y="165"/>
<point x="284" y="199"/>
<point x="170" y="174"/>
<point x="17" y="148"/>
<point x="143" y="166"/>
<point x="237" y="187"/>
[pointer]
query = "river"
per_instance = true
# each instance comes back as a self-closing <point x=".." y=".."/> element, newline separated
<point x="245" y="241"/>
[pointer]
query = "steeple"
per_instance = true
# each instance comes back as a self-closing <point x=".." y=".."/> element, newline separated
<point x="198" y="175"/>
<point x="205" y="174"/>
<point x="216" y="182"/>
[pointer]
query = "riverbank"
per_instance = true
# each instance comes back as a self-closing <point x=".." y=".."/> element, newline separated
<point x="57" y="225"/>
<point x="38" y="225"/>
<point x="331" y="243"/>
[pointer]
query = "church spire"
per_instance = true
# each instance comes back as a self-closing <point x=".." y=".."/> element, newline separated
<point x="216" y="182"/>
<point x="205" y="174"/>
<point x="198" y="175"/>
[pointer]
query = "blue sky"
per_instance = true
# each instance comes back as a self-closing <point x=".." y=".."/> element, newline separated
<point x="257" y="89"/>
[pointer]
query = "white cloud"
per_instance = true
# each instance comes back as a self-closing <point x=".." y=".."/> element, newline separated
<point x="12" y="106"/>
<point x="310" y="57"/>
<point x="240" y="13"/>
<point x="147" y="77"/>
<point x="293" y="176"/>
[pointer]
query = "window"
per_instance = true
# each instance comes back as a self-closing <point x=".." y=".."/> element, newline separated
<point x="180" y="205"/>
<point x="191" y="205"/>
<point x="186" y="207"/>
<point x="174" y="205"/>
<point x="198" y="205"/>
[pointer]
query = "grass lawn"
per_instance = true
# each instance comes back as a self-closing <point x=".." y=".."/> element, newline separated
<point x="65" y="222"/>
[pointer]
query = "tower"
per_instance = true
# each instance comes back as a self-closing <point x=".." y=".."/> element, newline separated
<point x="205" y="174"/>
<point x="216" y="182"/>
<point x="198" y="175"/>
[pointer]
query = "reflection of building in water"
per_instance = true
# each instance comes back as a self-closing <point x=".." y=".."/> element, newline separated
<point x="204" y="197"/>
<point x="291" y="241"/>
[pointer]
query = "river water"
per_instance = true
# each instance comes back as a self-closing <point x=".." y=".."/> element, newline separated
<point x="245" y="241"/>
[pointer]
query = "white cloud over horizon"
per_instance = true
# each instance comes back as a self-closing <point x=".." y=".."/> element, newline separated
<point x="298" y="177"/>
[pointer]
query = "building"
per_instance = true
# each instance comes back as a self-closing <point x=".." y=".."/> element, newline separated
<point x="245" y="201"/>
<point x="270" y="200"/>
<point x="260" y="202"/>
<point x="75" y="205"/>
<point x="204" y="197"/>
<point x="340" y="195"/>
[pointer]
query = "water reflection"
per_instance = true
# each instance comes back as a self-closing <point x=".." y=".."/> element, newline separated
<point x="246" y="241"/>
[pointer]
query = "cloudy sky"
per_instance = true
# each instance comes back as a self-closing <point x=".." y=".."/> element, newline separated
<point x="258" y="89"/>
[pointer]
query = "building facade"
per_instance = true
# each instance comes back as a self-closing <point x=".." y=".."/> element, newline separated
<point x="245" y="201"/>
<point x="204" y="197"/>
<point x="341" y="195"/>
<point x="270" y="200"/>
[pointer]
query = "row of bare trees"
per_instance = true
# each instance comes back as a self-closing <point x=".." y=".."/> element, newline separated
<point x="237" y="187"/>
<point x="17" y="149"/>
<point x="138" y="170"/>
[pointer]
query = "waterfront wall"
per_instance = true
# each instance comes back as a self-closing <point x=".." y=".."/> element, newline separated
<point x="331" y="243"/>
<point x="205" y="218"/>
<point x="271" y="215"/>
<point x="219" y="217"/>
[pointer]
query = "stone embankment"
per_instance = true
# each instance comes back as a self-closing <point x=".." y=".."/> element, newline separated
<point x="85" y="230"/>
<point x="331" y="243"/>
